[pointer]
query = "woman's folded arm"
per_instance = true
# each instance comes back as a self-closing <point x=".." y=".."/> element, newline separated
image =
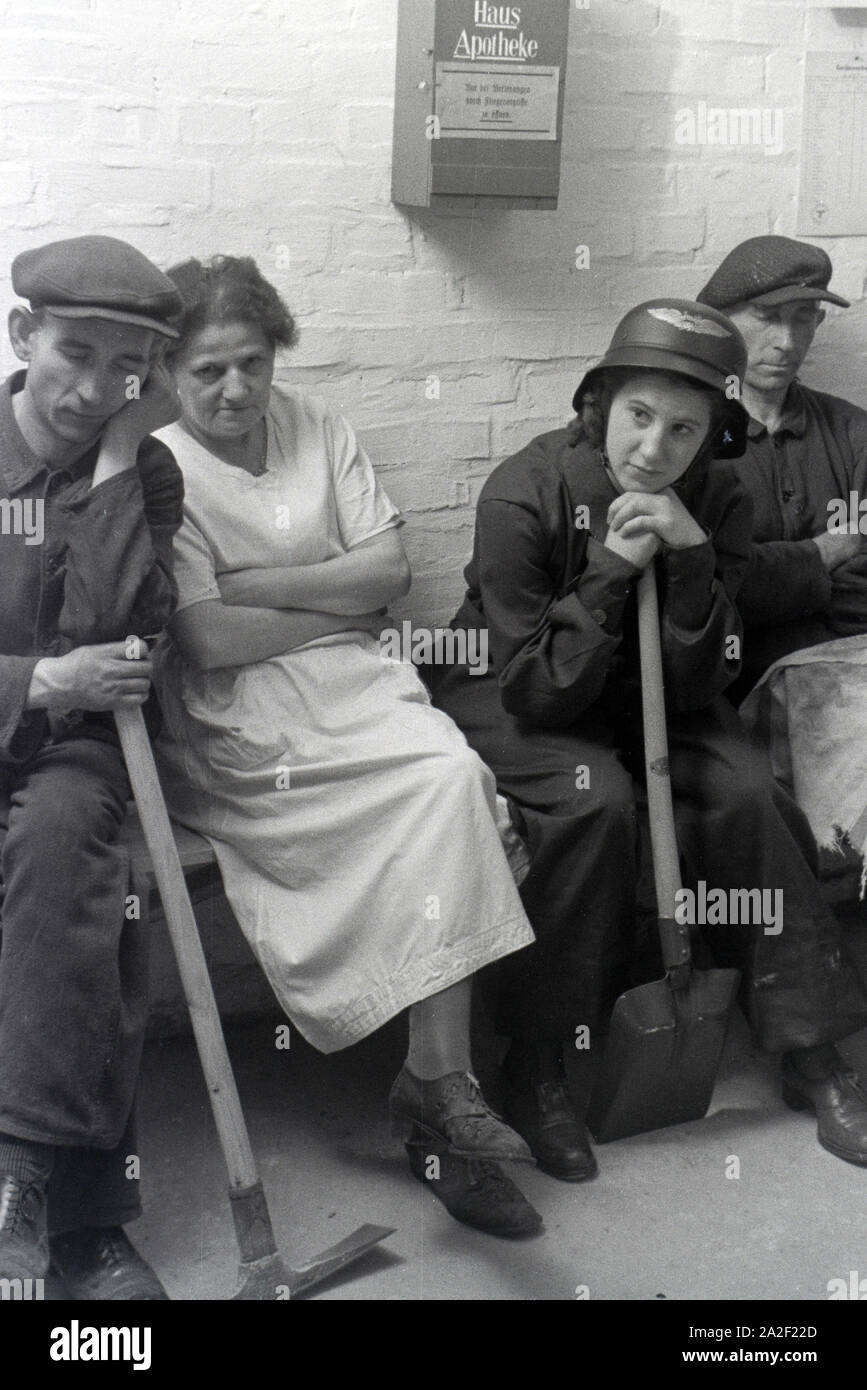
<point x="211" y="634"/>
<point x="369" y="576"/>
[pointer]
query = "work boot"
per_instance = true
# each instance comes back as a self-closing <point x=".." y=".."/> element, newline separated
<point x="452" y="1110"/>
<point x="538" y="1105"/>
<point x="837" y="1096"/>
<point x="98" y="1263"/>
<point x="23" y="1238"/>
<point x="472" y="1190"/>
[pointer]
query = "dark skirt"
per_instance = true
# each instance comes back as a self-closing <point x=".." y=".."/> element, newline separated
<point x="576" y="794"/>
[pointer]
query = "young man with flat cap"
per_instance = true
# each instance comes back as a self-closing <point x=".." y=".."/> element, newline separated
<point x="90" y="507"/>
<point x="805" y="584"/>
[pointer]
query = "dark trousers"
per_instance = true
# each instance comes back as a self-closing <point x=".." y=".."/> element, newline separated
<point x="73" y="975"/>
<point x="574" y="790"/>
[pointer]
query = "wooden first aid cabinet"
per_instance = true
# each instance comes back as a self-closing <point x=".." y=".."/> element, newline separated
<point x="478" y="110"/>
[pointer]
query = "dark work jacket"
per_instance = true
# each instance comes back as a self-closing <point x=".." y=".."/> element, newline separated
<point x="558" y="606"/>
<point x="102" y="572"/>
<point x="788" y="600"/>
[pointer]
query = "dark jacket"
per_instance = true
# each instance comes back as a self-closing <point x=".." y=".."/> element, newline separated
<point x="558" y="606"/>
<point x="788" y="600"/>
<point x="101" y="572"/>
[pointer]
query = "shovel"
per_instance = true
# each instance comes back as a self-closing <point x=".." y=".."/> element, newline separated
<point x="262" y="1274"/>
<point x="666" y="1037"/>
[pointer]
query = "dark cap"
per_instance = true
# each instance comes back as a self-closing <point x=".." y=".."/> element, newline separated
<point x="771" y="270"/>
<point x="97" y="277"/>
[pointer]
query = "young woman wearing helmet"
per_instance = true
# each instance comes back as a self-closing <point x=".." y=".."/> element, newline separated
<point x="563" y="529"/>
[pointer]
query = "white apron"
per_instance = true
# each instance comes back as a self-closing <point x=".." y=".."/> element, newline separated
<point x="353" y="826"/>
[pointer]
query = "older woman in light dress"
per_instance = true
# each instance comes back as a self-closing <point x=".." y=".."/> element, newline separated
<point x="354" y="827"/>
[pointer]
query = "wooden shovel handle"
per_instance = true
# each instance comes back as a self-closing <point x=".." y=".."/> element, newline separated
<point x="187" y="944"/>
<point x="674" y="936"/>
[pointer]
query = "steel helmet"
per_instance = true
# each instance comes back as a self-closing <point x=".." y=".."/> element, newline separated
<point x="693" y="340"/>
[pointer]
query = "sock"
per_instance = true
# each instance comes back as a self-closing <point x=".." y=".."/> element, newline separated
<point x="26" y="1161"/>
<point x="432" y="1071"/>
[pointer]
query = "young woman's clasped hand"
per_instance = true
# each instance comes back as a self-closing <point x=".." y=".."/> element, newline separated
<point x="640" y="523"/>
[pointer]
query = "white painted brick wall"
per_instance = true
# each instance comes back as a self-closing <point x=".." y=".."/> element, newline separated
<point x="264" y="127"/>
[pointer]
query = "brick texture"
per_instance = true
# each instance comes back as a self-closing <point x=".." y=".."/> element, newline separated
<point x="264" y="127"/>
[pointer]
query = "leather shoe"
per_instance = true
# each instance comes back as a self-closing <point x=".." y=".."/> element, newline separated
<point x="839" y="1100"/>
<point x="23" y="1238"/>
<point x="538" y="1105"/>
<point x="99" y="1263"/>
<point x="473" y="1191"/>
<point x="453" y="1110"/>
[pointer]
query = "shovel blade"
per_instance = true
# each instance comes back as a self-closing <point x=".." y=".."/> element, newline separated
<point x="662" y="1055"/>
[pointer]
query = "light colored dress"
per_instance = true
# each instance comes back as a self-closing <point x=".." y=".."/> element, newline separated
<point x="353" y="826"/>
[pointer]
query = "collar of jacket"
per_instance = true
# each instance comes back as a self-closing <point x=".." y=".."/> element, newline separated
<point x="793" y="419"/>
<point x="587" y="465"/>
<point x="18" y="463"/>
<point x="589" y="484"/>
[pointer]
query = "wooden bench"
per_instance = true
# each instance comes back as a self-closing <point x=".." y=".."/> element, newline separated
<point x="241" y="988"/>
<point x="194" y="850"/>
<point x="839" y="874"/>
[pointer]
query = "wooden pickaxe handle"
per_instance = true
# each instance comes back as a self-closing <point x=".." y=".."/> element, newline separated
<point x="263" y="1274"/>
<point x="187" y="944"/>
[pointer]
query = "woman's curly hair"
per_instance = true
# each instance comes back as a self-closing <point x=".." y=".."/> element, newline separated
<point x="230" y="289"/>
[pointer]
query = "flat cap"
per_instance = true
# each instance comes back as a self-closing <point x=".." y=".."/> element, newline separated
<point x="771" y="270"/>
<point x="97" y="277"/>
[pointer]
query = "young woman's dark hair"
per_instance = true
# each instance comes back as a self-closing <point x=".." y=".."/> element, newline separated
<point x="230" y="289"/>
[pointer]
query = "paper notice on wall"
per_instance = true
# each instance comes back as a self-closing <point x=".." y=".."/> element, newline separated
<point x="477" y="102"/>
<point x="833" y="196"/>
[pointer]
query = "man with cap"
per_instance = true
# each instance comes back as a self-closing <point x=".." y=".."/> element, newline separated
<point x="805" y="583"/>
<point x="90" y="507"/>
